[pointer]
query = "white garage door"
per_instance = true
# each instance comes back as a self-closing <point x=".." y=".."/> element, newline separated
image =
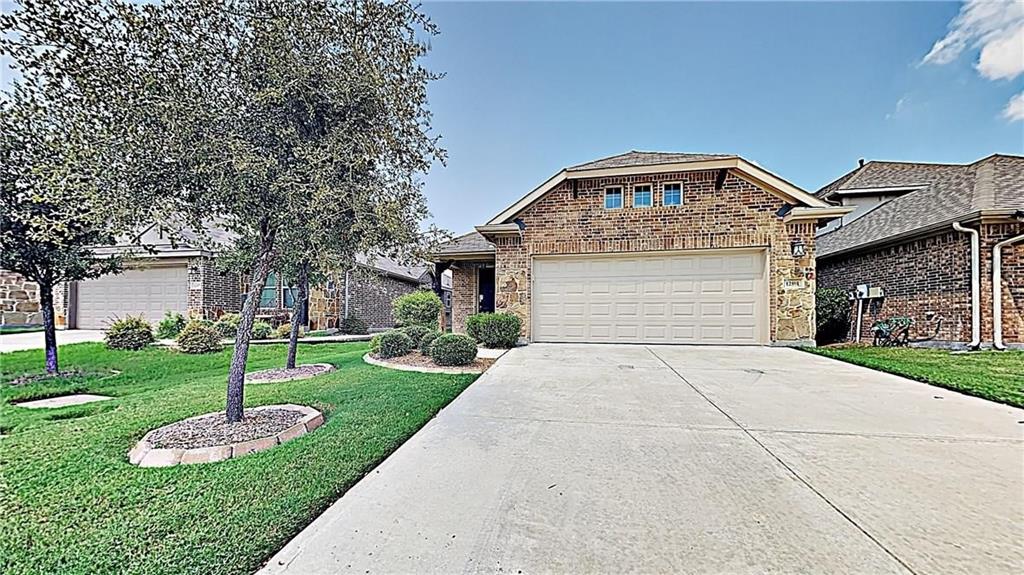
<point x="146" y="292"/>
<point x="710" y="297"/>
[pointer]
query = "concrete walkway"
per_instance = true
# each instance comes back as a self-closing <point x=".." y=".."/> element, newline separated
<point x="21" y="341"/>
<point x="606" y="459"/>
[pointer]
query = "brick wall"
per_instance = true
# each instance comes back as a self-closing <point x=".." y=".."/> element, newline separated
<point x="211" y="292"/>
<point x="741" y="214"/>
<point x="19" y="300"/>
<point x="370" y="299"/>
<point x="465" y="300"/>
<point x="932" y="275"/>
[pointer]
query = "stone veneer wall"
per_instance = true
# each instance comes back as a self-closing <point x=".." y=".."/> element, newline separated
<point x="933" y="274"/>
<point x="739" y="215"/>
<point x="19" y="300"/>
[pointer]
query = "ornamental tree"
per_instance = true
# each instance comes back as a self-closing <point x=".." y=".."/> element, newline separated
<point x="298" y="124"/>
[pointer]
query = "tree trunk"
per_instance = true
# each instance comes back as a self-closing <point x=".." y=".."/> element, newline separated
<point x="298" y="314"/>
<point x="49" y="328"/>
<point x="236" y="375"/>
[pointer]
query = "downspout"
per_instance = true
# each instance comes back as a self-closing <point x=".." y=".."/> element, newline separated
<point x="860" y="314"/>
<point x="997" y="290"/>
<point x="975" y="284"/>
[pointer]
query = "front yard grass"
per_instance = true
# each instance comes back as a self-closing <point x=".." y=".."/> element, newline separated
<point x="71" y="503"/>
<point x="993" y="375"/>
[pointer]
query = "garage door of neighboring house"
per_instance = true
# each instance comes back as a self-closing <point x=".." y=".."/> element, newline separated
<point x="715" y="297"/>
<point x="147" y="292"/>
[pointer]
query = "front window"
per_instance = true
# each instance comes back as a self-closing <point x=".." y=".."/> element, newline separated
<point x="289" y="296"/>
<point x="673" y="195"/>
<point x="642" y="196"/>
<point x="613" y="198"/>
<point x="268" y="297"/>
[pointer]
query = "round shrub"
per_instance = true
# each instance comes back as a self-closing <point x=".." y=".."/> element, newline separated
<point x="415" y="332"/>
<point x="832" y="308"/>
<point x="453" y="349"/>
<point x="130" y="332"/>
<point x="227" y="325"/>
<point x="284" y="331"/>
<point x="375" y="344"/>
<point x="262" y="330"/>
<point x="198" y="338"/>
<point x="427" y="340"/>
<point x="393" y="344"/>
<point x="353" y="326"/>
<point x="170" y="326"/>
<point x="497" y="330"/>
<point x="418" y="308"/>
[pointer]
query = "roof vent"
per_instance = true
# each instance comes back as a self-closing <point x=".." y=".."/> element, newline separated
<point x="860" y="162"/>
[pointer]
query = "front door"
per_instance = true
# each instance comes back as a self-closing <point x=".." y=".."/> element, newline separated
<point x="486" y="290"/>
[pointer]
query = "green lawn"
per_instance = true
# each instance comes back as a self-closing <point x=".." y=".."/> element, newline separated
<point x="993" y="375"/>
<point x="71" y="503"/>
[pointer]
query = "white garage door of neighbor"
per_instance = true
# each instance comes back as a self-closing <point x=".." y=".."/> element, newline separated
<point x="710" y="297"/>
<point x="146" y="292"/>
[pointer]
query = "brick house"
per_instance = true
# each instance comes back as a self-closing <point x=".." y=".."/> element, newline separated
<point x="648" y="247"/>
<point x="178" y="276"/>
<point x="900" y="240"/>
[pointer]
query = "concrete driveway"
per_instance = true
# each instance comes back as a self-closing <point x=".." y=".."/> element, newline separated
<point x="20" y="341"/>
<point x="587" y="459"/>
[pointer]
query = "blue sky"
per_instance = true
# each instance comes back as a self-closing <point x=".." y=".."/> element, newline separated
<point x="803" y="89"/>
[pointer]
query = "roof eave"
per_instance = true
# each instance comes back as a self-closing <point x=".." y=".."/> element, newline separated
<point x="801" y="214"/>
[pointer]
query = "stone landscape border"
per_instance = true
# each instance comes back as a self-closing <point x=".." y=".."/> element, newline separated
<point x="145" y="455"/>
<point x="329" y="369"/>
<point x="452" y="370"/>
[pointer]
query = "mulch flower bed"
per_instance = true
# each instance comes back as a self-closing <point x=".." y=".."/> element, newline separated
<point x="280" y="374"/>
<point x="417" y="359"/>
<point x="209" y="438"/>
<point x="214" y="429"/>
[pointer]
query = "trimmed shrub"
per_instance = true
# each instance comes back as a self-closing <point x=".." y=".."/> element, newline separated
<point x="427" y="340"/>
<point x="375" y="344"/>
<point x="353" y="326"/>
<point x="227" y="325"/>
<point x="170" y="326"/>
<point x="130" y="332"/>
<point x="284" y="331"/>
<point x="262" y="330"/>
<point x="394" y="343"/>
<point x="498" y="330"/>
<point x="415" y="332"/>
<point x="198" y="337"/>
<point x="453" y="349"/>
<point x="421" y="307"/>
<point x="832" y="307"/>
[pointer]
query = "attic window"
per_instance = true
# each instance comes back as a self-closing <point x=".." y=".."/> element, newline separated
<point x="612" y="198"/>
<point x="642" y="196"/>
<point x="672" y="194"/>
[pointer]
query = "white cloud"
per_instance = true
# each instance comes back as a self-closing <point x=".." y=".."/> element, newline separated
<point x="900" y="105"/>
<point x="1014" y="110"/>
<point x="996" y="29"/>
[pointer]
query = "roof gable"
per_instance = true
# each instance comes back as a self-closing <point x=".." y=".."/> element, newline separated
<point x="635" y="162"/>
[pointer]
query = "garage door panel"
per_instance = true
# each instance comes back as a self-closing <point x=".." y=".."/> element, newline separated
<point x="147" y="292"/>
<point x="680" y="298"/>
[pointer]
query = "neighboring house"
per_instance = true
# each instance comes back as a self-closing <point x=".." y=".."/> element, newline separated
<point x="180" y="277"/>
<point x="648" y="247"/>
<point x="19" y="300"/>
<point x="901" y="241"/>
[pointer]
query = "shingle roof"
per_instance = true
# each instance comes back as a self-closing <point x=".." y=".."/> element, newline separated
<point x="472" y="242"/>
<point x="635" y="158"/>
<point x="948" y="192"/>
<point x="392" y="267"/>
